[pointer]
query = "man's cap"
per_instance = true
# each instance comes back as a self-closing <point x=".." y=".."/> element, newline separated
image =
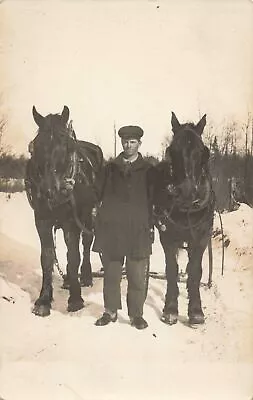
<point x="130" y="131"/>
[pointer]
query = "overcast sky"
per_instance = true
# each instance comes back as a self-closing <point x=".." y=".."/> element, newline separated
<point x="131" y="62"/>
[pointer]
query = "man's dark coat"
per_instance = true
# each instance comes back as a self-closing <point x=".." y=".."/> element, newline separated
<point x="124" y="219"/>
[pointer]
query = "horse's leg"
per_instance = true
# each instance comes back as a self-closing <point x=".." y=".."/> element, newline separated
<point x="86" y="272"/>
<point x="42" y="305"/>
<point x="72" y="236"/>
<point x="194" y="270"/>
<point x="170" y="311"/>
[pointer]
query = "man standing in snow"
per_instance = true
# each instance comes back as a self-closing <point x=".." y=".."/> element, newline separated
<point x="124" y="228"/>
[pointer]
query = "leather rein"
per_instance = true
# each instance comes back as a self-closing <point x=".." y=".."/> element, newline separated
<point x="164" y="216"/>
<point x="67" y="184"/>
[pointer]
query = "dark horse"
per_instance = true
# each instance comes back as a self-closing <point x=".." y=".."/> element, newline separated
<point x="184" y="211"/>
<point x="60" y="180"/>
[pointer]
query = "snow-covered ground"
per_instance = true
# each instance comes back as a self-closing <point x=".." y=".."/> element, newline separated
<point x="65" y="356"/>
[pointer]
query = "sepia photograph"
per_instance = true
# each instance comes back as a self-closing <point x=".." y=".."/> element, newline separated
<point x="126" y="199"/>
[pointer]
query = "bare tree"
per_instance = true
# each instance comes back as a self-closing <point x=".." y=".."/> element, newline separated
<point x="229" y="138"/>
<point x="209" y="135"/>
<point x="2" y="128"/>
<point x="3" y="122"/>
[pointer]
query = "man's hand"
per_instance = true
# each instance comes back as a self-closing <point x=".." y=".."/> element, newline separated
<point x="94" y="212"/>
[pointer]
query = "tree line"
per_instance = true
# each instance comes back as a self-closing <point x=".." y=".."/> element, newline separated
<point x="231" y="162"/>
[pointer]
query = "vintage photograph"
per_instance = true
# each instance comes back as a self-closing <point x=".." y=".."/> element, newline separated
<point x="126" y="199"/>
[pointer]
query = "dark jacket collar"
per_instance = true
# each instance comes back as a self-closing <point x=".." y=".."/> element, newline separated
<point x="137" y="164"/>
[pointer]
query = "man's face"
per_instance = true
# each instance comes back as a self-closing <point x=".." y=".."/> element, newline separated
<point x="130" y="147"/>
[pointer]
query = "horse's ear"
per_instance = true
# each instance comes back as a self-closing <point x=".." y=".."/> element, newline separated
<point x="39" y="119"/>
<point x="71" y="131"/>
<point x="65" y="114"/>
<point x="174" y="122"/>
<point x="74" y="135"/>
<point x="201" y="125"/>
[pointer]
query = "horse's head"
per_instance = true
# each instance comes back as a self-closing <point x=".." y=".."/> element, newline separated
<point x="188" y="158"/>
<point x="54" y="155"/>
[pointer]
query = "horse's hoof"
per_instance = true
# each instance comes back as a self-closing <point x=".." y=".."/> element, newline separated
<point x="74" y="306"/>
<point x="85" y="282"/>
<point x="41" y="310"/>
<point x="169" y="319"/>
<point x="196" y="319"/>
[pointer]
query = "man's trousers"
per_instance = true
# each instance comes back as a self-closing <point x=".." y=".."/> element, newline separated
<point x="137" y="271"/>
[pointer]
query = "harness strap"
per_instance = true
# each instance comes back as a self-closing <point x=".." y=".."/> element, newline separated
<point x="166" y="216"/>
<point x="77" y="219"/>
<point x="56" y="262"/>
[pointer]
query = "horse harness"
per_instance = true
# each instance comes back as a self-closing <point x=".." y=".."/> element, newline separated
<point x="74" y="174"/>
<point x="164" y="216"/>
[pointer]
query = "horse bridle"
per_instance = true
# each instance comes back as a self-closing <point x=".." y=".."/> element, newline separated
<point x="67" y="180"/>
<point x="164" y="217"/>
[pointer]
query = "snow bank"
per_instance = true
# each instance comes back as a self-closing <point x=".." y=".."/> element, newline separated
<point x="238" y="232"/>
<point x="65" y="356"/>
